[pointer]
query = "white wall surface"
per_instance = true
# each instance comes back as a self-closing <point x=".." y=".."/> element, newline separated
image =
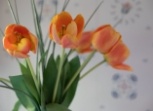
<point x="105" y="89"/>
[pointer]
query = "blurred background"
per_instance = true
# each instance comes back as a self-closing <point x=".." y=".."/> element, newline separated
<point x="105" y="89"/>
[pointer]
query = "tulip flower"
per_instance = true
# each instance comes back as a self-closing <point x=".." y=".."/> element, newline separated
<point x="18" y="41"/>
<point x="108" y="42"/>
<point x="85" y="43"/>
<point x="66" y="31"/>
<point x="104" y="38"/>
<point x="117" y="55"/>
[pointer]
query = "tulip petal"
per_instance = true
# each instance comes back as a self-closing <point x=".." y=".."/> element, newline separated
<point x="13" y="28"/>
<point x="118" y="54"/>
<point x="62" y="19"/>
<point x="9" y="29"/>
<point x="71" y="29"/>
<point x="20" y="55"/>
<point x="8" y="45"/>
<point x="85" y="42"/>
<point x="24" y="46"/>
<point x="68" y="42"/>
<point x="122" y="67"/>
<point x="53" y="34"/>
<point x="17" y="54"/>
<point x="34" y="44"/>
<point x="104" y="38"/>
<point x="79" y="20"/>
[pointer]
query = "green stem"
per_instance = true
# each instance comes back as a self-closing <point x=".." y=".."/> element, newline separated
<point x="70" y="52"/>
<point x="42" y="100"/>
<point x="94" y="67"/>
<point x="118" y="22"/>
<point x="11" y="9"/>
<point x="16" y="10"/>
<point x="41" y="10"/>
<point x="93" y="13"/>
<point x="1" y="32"/>
<point x="5" y="80"/>
<point x="48" y="48"/>
<point x="33" y="74"/>
<point x="37" y="64"/>
<point x="58" y="75"/>
<point x="54" y="45"/>
<point x="38" y="32"/>
<point x="78" y="71"/>
<point x="65" y="4"/>
<point x="30" y="97"/>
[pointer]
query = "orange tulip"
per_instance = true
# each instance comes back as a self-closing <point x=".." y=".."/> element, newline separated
<point x="117" y="55"/>
<point x="104" y="38"/>
<point x="85" y="43"/>
<point x="108" y="42"/>
<point x="66" y="31"/>
<point x="18" y="41"/>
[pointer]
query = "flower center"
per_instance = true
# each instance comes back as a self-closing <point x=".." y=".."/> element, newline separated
<point x="19" y="36"/>
<point x="62" y="32"/>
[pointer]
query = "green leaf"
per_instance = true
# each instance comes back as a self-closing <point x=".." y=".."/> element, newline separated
<point x="29" y="82"/>
<point x="74" y="65"/>
<point x="22" y="93"/>
<point x="17" y="106"/>
<point x="49" y="78"/>
<point x="56" y="107"/>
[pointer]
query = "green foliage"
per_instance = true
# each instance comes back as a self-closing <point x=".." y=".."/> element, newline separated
<point x="27" y="76"/>
<point x="23" y="93"/>
<point x="68" y="70"/>
<point x="53" y="93"/>
<point x="17" y="106"/>
<point x="73" y="66"/>
<point x="49" y="78"/>
<point x="56" y="107"/>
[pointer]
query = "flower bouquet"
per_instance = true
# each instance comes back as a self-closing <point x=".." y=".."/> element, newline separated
<point x="52" y="84"/>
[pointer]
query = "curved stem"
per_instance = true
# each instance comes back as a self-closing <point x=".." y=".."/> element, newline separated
<point x="41" y="10"/>
<point x="70" y="52"/>
<point x="1" y="32"/>
<point x="11" y="9"/>
<point x="118" y="22"/>
<point x="33" y="74"/>
<point x="48" y="48"/>
<point x="38" y="31"/>
<point x="5" y="81"/>
<point x="58" y="75"/>
<point x="93" y="13"/>
<point x="78" y="72"/>
<point x="16" y="10"/>
<point x="7" y="87"/>
<point x="65" y="4"/>
<point x="94" y="67"/>
<point x="54" y="45"/>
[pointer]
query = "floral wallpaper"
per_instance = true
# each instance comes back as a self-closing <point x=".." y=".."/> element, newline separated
<point x="105" y="89"/>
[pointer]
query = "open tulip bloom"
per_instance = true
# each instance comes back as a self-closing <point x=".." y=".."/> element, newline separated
<point x="51" y="86"/>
